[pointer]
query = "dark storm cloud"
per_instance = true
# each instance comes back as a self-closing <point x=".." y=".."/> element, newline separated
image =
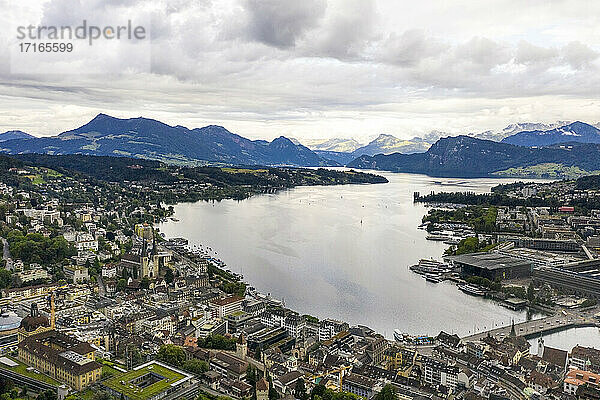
<point x="279" y="23"/>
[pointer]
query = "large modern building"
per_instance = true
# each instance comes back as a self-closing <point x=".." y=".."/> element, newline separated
<point x="579" y="278"/>
<point x="62" y="357"/>
<point x="492" y="266"/>
<point x="152" y="381"/>
<point x="9" y="326"/>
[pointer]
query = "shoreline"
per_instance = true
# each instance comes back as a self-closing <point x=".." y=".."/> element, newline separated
<point x="244" y="279"/>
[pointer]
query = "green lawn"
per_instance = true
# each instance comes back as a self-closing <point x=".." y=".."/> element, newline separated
<point x="36" y="179"/>
<point x="87" y="394"/>
<point x="134" y="392"/>
<point x="109" y="367"/>
<point x="22" y="370"/>
<point x="244" y="170"/>
<point x="108" y="370"/>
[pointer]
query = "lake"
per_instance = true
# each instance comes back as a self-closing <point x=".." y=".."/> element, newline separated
<point x="566" y="340"/>
<point x="343" y="252"/>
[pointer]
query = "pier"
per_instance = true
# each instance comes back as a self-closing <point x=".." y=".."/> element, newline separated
<point x="535" y="328"/>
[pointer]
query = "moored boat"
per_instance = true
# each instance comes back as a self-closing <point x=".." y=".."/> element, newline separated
<point x="433" y="278"/>
<point x="472" y="290"/>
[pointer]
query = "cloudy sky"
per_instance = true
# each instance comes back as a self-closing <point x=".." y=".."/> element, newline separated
<point x="313" y="68"/>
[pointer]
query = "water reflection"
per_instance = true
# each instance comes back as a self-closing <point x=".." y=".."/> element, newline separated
<point x="343" y="252"/>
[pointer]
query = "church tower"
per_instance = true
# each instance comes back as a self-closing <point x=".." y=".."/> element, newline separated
<point x="241" y="347"/>
<point x="262" y="389"/>
<point x="513" y="332"/>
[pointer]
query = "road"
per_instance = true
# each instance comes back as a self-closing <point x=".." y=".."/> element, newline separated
<point x="101" y="288"/>
<point x="564" y="320"/>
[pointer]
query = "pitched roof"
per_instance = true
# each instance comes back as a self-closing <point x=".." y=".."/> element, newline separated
<point x="289" y="377"/>
<point x="241" y="339"/>
<point x="555" y="356"/>
<point x="61" y="350"/>
<point x="262" y="385"/>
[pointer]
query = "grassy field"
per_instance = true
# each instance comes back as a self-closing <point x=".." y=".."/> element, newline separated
<point x="134" y="392"/>
<point x="42" y="175"/>
<point x="22" y="370"/>
<point x="244" y="170"/>
<point x="547" y="170"/>
<point x="109" y="370"/>
<point x="36" y="179"/>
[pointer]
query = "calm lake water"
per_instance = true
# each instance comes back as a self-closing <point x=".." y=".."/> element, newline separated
<point x="566" y="340"/>
<point x="343" y="252"/>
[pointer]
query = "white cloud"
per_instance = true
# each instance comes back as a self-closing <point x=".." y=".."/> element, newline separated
<point x="321" y="67"/>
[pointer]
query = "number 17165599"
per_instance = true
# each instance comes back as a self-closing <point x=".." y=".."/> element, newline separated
<point x="45" y="47"/>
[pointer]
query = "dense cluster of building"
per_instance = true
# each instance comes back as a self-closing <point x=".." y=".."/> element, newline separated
<point x="127" y="292"/>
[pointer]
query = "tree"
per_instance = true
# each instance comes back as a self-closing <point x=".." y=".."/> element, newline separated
<point x="196" y="366"/>
<point x="6" y="385"/>
<point x="47" y="395"/>
<point x="102" y="396"/>
<point x="136" y="356"/>
<point x="169" y="277"/>
<point x="121" y="284"/>
<point x="387" y="393"/>
<point x="251" y="375"/>
<point x="300" y="390"/>
<point x="5" y="278"/>
<point x="273" y="394"/>
<point x="317" y="391"/>
<point x="145" y="283"/>
<point x="171" y="354"/>
<point x="530" y="292"/>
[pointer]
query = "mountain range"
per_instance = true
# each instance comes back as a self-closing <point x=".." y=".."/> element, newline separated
<point x="388" y="144"/>
<point x="498" y="136"/>
<point x="466" y="156"/>
<point x="150" y="139"/>
<point x="574" y="132"/>
<point x="571" y="149"/>
<point x="11" y="135"/>
<point x="338" y="145"/>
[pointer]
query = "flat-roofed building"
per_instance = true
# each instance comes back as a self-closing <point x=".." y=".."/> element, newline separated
<point x="226" y="306"/>
<point x="492" y="266"/>
<point x="76" y="273"/>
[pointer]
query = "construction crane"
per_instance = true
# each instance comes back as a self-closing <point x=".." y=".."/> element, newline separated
<point x="339" y="371"/>
<point x="52" y="311"/>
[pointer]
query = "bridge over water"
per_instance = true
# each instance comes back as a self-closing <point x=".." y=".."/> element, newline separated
<point x="535" y="328"/>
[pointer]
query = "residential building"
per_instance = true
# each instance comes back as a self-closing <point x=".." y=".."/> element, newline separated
<point x="226" y="306"/>
<point x="76" y="273"/>
<point x="330" y="327"/>
<point x="576" y="378"/>
<point x="359" y="385"/>
<point x="585" y="359"/>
